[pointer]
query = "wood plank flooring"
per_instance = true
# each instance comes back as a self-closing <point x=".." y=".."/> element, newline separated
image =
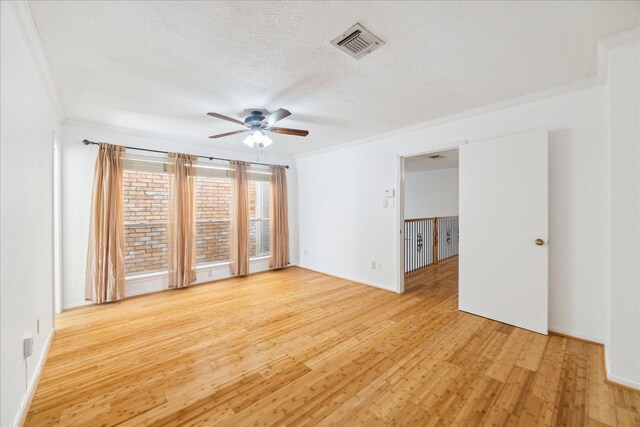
<point x="296" y="347"/>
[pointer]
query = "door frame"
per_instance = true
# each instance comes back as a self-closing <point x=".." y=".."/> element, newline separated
<point x="399" y="231"/>
<point x="56" y="185"/>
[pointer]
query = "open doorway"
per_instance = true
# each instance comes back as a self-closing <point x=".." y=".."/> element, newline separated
<point x="430" y="221"/>
<point x="500" y="275"/>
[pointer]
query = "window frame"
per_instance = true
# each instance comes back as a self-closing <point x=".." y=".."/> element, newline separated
<point x="260" y="219"/>
<point x="159" y="164"/>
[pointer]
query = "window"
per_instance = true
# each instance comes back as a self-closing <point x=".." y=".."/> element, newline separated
<point x="146" y="198"/>
<point x="259" y="233"/>
<point x="213" y="207"/>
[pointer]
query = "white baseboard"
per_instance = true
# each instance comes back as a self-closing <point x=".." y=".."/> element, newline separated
<point x="575" y="334"/>
<point x="33" y="384"/>
<point x="155" y="282"/>
<point x="607" y="365"/>
<point x="615" y="378"/>
<point x="75" y="304"/>
<point x="351" y="279"/>
<point x="205" y="274"/>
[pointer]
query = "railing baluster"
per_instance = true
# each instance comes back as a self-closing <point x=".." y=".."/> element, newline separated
<point x="435" y="241"/>
<point x="422" y="233"/>
<point x="429" y="241"/>
<point x="415" y="252"/>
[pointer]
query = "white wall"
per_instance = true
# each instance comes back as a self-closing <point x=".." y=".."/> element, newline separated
<point x="77" y="179"/>
<point x="29" y="121"/>
<point x="344" y="226"/>
<point x="594" y="202"/>
<point x="431" y="193"/>
<point x="624" y="115"/>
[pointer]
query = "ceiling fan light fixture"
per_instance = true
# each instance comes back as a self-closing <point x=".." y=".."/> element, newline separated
<point x="258" y="136"/>
<point x="266" y="141"/>
<point x="249" y="141"/>
<point x="257" y="125"/>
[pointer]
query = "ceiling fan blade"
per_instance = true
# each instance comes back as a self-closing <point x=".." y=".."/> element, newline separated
<point x="276" y="116"/>
<point x="229" y="119"/>
<point x="235" y="132"/>
<point x="289" y="131"/>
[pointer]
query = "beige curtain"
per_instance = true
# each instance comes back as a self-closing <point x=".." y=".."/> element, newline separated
<point x="104" y="281"/>
<point x="279" y="222"/>
<point x="239" y="232"/>
<point x="181" y="221"/>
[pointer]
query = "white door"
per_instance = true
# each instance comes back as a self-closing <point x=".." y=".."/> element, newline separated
<point x="503" y="213"/>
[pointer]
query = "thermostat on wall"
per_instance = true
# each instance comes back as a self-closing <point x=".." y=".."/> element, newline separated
<point x="390" y="192"/>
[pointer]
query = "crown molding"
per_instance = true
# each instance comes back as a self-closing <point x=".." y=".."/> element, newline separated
<point x="131" y="132"/>
<point x="25" y="22"/>
<point x="24" y="19"/>
<point x="619" y="39"/>
<point x="273" y="155"/>
<point x="603" y="47"/>
<point x="510" y="103"/>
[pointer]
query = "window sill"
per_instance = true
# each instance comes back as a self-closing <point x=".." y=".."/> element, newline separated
<point x="144" y="276"/>
<point x="226" y="263"/>
<point x="134" y="278"/>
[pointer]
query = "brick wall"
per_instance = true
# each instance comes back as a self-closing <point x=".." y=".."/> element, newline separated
<point x="259" y="229"/>
<point x="145" y="201"/>
<point x="146" y="198"/>
<point x="213" y="204"/>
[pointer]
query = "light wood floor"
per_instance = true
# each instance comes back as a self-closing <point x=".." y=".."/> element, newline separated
<point x="300" y="348"/>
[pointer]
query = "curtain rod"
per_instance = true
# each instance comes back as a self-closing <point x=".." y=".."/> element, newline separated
<point x="87" y="142"/>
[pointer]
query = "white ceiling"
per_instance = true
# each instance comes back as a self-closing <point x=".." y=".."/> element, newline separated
<point x="160" y="66"/>
<point x="424" y="162"/>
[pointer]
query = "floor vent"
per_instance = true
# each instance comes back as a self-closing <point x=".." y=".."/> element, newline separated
<point x="357" y="41"/>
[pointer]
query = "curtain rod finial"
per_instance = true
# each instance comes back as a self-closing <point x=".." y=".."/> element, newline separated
<point x="86" y="142"/>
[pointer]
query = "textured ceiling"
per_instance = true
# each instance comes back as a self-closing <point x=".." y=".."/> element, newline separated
<point x="424" y="162"/>
<point x="160" y="66"/>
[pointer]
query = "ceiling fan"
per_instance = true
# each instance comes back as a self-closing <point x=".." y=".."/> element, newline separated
<point x="258" y="125"/>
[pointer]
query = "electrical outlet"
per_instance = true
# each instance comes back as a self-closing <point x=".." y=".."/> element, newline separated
<point x="373" y="265"/>
<point x="306" y="251"/>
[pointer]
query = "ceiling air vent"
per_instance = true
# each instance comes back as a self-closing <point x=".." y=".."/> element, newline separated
<point x="357" y="41"/>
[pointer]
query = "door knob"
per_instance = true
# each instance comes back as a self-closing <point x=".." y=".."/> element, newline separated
<point x="539" y="242"/>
